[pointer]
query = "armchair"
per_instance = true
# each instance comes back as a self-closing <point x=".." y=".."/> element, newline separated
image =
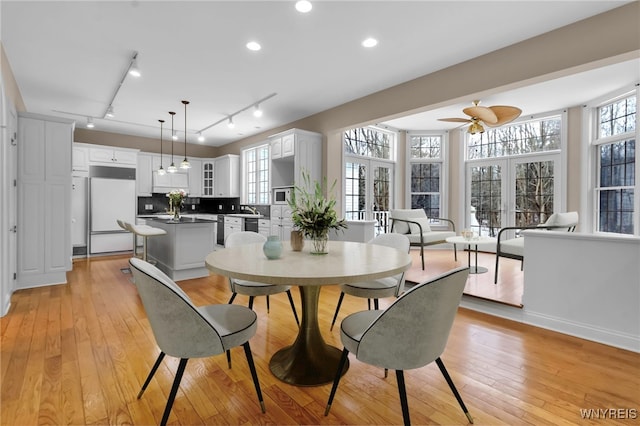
<point x="414" y="224"/>
<point x="513" y="248"/>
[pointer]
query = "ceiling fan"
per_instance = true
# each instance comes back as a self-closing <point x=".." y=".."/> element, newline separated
<point x="492" y="116"/>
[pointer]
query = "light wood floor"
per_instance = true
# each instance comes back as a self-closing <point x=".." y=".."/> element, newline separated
<point x="508" y="290"/>
<point x="78" y="354"/>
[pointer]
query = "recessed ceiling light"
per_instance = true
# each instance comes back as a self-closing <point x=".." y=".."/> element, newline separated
<point x="370" y="42"/>
<point x="254" y="45"/>
<point x="304" y="6"/>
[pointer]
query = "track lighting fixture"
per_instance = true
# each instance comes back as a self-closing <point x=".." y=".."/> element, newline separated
<point x="172" y="168"/>
<point x="257" y="112"/>
<point x="132" y="70"/>
<point x="185" y="163"/>
<point x="90" y="124"/>
<point x="161" y="170"/>
<point x="133" y="66"/>
<point x="200" y="137"/>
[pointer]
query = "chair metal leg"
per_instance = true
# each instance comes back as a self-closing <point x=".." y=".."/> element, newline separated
<point x="336" y="380"/>
<point x="495" y="276"/>
<point x="293" y="307"/>
<point x="422" y="256"/>
<point x="251" y="301"/>
<point x="376" y="306"/>
<point x="229" y="358"/>
<point x="174" y="390"/>
<point x="233" y="296"/>
<point x="335" y="315"/>
<point x="268" y="307"/>
<point x="444" y="372"/>
<point x="403" y="397"/>
<point x="455" y="253"/>
<point x="254" y="374"/>
<point x="151" y="373"/>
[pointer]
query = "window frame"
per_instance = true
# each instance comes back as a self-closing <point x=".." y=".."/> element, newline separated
<point x="591" y="153"/>
<point x="244" y="193"/>
<point x="444" y="171"/>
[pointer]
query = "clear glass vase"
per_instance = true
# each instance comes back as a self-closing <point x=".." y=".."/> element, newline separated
<point x="320" y="243"/>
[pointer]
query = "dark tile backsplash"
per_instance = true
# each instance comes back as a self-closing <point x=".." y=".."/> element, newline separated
<point x="160" y="204"/>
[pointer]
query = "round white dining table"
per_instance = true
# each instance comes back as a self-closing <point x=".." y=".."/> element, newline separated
<point x="309" y="361"/>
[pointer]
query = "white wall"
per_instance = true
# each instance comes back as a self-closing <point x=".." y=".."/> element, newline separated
<point x="584" y="285"/>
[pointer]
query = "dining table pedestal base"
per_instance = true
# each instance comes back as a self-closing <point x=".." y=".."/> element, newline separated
<point x="310" y="361"/>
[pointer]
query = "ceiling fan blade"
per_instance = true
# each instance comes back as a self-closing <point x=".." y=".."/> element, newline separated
<point x="505" y="114"/>
<point x="455" y="120"/>
<point x="484" y="114"/>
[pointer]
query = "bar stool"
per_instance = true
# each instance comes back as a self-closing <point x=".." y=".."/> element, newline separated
<point x="144" y="231"/>
<point x="123" y="225"/>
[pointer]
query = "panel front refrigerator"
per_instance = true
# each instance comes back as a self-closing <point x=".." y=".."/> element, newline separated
<point x="113" y="197"/>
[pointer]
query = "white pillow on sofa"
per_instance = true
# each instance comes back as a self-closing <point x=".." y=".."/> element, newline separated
<point x="423" y="221"/>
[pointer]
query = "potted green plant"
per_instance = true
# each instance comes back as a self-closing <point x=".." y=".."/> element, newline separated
<point x="314" y="214"/>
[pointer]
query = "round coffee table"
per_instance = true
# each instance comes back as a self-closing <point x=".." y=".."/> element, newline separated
<point x="477" y="241"/>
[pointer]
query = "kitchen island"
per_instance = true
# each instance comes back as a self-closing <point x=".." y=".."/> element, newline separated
<point x="180" y="254"/>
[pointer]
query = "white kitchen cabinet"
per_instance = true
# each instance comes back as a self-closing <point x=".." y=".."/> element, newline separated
<point x="113" y="156"/>
<point x="169" y="181"/>
<point x="80" y="159"/>
<point x="195" y="178"/>
<point x="293" y="152"/>
<point x="226" y="181"/>
<point x="281" y="222"/>
<point x="207" y="177"/>
<point x="44" y="200"/>
<point x="79" y="214"/>
<point x="144" y="175"/>
<point x="232" y="225"/>
<point x="264" y="227"/>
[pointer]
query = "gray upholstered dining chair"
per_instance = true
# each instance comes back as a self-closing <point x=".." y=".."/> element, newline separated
<point x="513" y="248"/>
<point x="383" y="287"/>
<point x="185" y="331"/>
<point x="252" y="288"/>
<point x="411" y="333"/>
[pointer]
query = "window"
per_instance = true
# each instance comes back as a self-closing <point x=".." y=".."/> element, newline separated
<point x="368" y="175"/>
<point x="426" y="162"/>
<point x="256" y="175"/>
<point x="514" y="174"/>
<point x="616" y="165"/>
<point x="539" y="135"/>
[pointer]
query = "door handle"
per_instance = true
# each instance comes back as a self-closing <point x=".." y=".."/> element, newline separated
<point x="14" y="229"/>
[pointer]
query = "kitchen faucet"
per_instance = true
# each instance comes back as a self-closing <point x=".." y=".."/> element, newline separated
<point x="252" y="210"/>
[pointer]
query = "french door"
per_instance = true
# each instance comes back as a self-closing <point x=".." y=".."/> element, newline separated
<point x="518" y="191"/>
<point x="368" y="187"/>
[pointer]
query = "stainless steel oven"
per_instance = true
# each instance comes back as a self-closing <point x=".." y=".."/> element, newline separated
<point x="251" y="224"/>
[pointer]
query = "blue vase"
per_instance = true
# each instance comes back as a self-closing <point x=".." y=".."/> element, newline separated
<point x="272" y="248"/>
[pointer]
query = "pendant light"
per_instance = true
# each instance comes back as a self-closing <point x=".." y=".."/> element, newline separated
<point x="185" y="163"/>
<point x="172" y="168"/>
<point x="161" y="171"/>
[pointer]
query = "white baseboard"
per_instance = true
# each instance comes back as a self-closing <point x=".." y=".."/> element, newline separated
<point x="560" y="325"/>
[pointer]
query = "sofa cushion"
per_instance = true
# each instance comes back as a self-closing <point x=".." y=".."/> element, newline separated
<point x="513" y="246"/>
<point x="432" y="237"/>
<point x="415" y="229"/>
<point x="567" y="219"/>
<point x="406" y="214"/>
